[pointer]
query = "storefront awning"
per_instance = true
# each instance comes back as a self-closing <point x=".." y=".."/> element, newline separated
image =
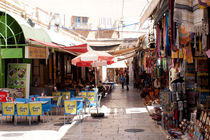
<point x="15" y="31"/>
<point x="47" y="44"/>
<point x="119" y="64"/>
<point x="104" y="47"/>
<point x="149" y="11"/>
<point x="33" y="42"/>
<point x="78" y="48"/>
<point x="132" y="55"/>
<point x="123" y="51"/>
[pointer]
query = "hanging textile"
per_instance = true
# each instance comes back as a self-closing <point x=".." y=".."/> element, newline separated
<point x="144" y="61"/>
<point x="174" y="54"/>
<point x="164" y="63"/>
<point x="183" y="13"/>
<point x="167" y="44"/>
<point x="184" y="35"/>
<point x="171" y="11"/>
<point x="188" y="53"/>
<point x="158" y="40"/>
<point x="180" y="52"/>
<point x="164" y="32"/>
<point x="203" y="3"/>
<point x="200" y="46"/>
<point x="177" y="37"/>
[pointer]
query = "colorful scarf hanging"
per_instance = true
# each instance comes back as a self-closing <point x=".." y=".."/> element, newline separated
<point x="181" y="53"/>
<point x="184" y="35"/>
<point x="200" y="46"/>
<point x="174" y="54"/>
<point x="158" y="40"/>
<point x="203" y="3"/>
<point x="167" y="44"/>
<point x="164" y="32"/>
<point x="188" y="53"/>
<point x="194" y="41"/>
<point x="177" y="38"/>
<point x="204" y="41"/>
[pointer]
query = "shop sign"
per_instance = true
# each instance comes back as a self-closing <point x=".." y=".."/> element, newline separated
<point x="11" y="53"/>
<point x="35" y="52"/>
<point x="91" y="96"/>
<point x="70" y="107"/>
<point x="22" y="109"/>
<point x="19" y="77"/>
<point x="35" y="109"/>
<point x="8" y="108"/>
<point x="3" y="96"/>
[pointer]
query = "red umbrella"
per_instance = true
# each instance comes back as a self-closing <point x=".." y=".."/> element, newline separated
<point x="93" y="58"/>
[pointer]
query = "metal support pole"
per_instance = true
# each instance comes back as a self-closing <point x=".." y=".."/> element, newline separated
<point x="96" y="83"/>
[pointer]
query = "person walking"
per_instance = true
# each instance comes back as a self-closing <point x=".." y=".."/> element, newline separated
<point x="122" y="80"/>
<point x="127" y="80"/>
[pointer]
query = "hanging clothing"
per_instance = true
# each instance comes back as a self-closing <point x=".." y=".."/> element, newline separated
<point x="164" y="32"/>
<point x="200" y="46"/>
<point x="177" y="38"/>
<point x="158" y="41"/>
<point x="188" y="53"/>
<point x="203" y="3"/>
<point x="167" y="44"/>
<point x="184" y="35"/>
<point x="181" y="55"/>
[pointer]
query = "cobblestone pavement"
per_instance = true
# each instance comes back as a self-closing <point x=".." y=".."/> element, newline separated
<point x="50" y="130"/>
<point x="126" y="118"/>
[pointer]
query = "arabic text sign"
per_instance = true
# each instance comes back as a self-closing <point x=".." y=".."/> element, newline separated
<point x="91" y="96"/>
<point x="22" y="109"/>
<point x="8" y="108"/>
<point x="35" y="109"/>
<point x="70" y="107"/>
<point x="35" y="52"/>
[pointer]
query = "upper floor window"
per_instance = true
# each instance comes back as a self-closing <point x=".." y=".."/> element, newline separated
<point x="77" y="19"/>
<point x="84" y="20"/>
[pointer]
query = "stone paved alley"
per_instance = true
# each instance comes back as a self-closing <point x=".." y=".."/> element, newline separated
<point x="124" y="111"/>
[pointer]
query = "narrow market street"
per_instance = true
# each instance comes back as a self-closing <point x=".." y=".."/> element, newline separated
<point x="104" y="70"/>
<point x="126" y="118"/>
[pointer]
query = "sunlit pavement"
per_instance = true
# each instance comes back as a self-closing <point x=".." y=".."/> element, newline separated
<point x="52" y="130"/>
<point x="126" y="118"/>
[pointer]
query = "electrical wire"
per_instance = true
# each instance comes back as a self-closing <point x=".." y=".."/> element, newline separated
<point x="105" y="29"/>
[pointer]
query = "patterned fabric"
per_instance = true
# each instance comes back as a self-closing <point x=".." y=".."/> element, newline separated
<point x="184" y="35"/>
<point x="168" y="49"/>
<point x="158" y="40"/>
<point x="164" y="31"/>
<point x="186" y="12"/>
<point x="188" y="53"/>
<point x="204" y="3"/>
<point x="183" y="13"/>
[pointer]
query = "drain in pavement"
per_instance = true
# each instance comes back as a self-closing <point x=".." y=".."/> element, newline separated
<point x="13" y="134"/>
<point x="134" y="130"/>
